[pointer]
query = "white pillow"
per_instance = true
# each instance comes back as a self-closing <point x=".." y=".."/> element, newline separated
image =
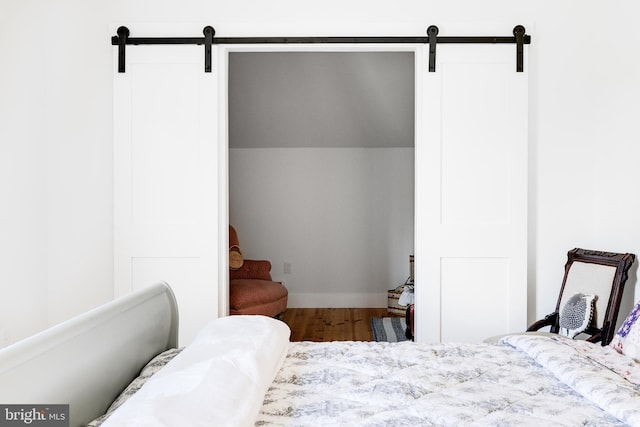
<point x="220" y="379"/>
<point x="577" y="314"/>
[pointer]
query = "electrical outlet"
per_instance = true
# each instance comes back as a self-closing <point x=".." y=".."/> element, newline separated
<point x="287" y="267"/>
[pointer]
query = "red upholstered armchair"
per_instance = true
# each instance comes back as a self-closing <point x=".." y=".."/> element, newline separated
<point x="251" y="290"/>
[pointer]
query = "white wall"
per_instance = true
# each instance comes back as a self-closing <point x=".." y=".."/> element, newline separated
<point x="343" y="218"/>
<point x="56" y="79"/>
<point x="77" y="134"/>
<point x="23" y="190"/>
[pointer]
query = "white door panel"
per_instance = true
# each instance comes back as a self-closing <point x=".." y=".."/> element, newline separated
<point x="472" y="196"/>
<point x="166" y="218"/>
<point x="466" y="299"/>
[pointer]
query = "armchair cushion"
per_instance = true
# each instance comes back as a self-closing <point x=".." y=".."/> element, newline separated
<point x="248" y="296"/>
<point x="252" y="269"/>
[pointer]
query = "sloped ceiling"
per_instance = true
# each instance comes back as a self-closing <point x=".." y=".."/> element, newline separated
<point x="321" y="99"/>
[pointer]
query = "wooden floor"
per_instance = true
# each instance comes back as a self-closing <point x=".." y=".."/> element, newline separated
<point x="331" y="324"/>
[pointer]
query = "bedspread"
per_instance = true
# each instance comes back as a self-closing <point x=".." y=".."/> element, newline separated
<point x="525" y="380"/>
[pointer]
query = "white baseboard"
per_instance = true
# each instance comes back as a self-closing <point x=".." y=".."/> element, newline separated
<point x="337" y="300"/>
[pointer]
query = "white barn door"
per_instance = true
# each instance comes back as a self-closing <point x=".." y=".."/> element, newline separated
<point x="471" y="195"/>
<point x="166" y="160"/>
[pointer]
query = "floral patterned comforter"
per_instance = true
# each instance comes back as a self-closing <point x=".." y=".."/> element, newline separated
<point x="523" y="381"/>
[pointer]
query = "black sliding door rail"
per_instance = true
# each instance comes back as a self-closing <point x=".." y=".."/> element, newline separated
<point x="519" y="38"/>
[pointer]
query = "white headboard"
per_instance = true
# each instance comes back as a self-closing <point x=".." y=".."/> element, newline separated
<point x="88" y="360"/>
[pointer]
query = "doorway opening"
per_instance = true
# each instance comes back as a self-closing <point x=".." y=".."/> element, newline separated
<point x="321" y="170"/>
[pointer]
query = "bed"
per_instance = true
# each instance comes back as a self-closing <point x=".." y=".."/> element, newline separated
<point x="243" y="371"/>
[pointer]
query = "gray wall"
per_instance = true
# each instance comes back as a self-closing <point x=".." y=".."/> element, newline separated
<point x="321" y="99"/>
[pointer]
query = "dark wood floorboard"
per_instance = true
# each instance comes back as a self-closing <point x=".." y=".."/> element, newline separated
<point x="331" y="324"/>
